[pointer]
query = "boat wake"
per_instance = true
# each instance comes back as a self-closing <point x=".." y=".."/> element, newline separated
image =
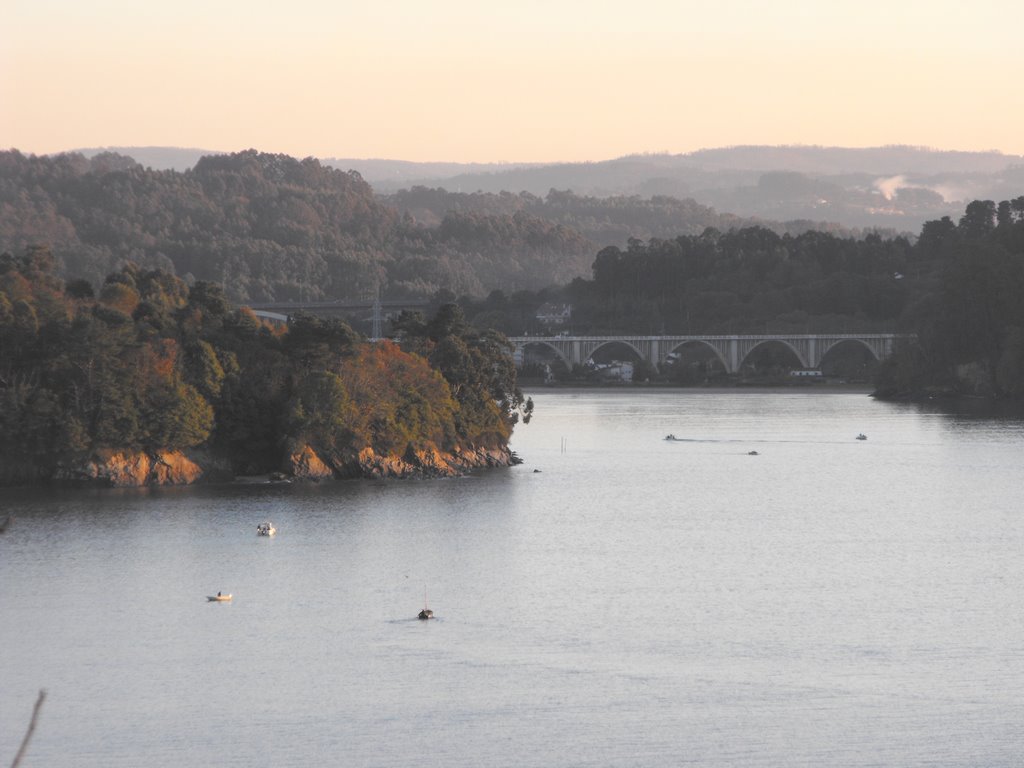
<point x="763" y="441"/>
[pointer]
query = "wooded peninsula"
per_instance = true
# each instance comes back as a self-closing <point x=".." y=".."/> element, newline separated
<point x="153" y="381"/>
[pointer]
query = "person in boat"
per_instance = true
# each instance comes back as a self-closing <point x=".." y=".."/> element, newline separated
<point x="218" y="594"/>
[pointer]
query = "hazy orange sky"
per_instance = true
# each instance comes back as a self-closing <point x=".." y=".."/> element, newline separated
<point x="531" y="80"/>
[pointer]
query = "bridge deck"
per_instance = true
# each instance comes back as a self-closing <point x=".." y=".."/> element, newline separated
<point x="731" y="349"/>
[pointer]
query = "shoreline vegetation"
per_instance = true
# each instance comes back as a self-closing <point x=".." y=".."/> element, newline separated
<point x="155" y="382"/>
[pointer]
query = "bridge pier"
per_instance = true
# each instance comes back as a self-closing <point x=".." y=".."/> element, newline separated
<point x="733" y="363"/>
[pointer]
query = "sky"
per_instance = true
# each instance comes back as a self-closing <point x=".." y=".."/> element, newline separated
<point x="522" y="81"/>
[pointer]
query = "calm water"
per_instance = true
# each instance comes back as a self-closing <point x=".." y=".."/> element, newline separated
<point x="637" y="602"/>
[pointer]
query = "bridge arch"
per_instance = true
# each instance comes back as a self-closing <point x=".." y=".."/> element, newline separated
<point x="718" y="353"/>
<point x="616" y="342"/>
<point x="876" y="353"/>
<point x="540" y="342"/>
<point x="763" y="343"/>
<point x="850" y="358"/>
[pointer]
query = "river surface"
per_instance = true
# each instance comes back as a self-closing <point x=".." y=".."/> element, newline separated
<point x="617" y="600"/>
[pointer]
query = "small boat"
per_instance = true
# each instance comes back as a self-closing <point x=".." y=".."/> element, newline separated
<point x="670" y="436"/>
<point x="426" y="613"/>
<point x="265" y="529"/>
<point x="862" y="436"/>
<point x="753" y="453"/>
<point x="219" y="598"/>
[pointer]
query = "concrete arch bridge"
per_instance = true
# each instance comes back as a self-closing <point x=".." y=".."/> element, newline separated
<point x="732" y="351"/>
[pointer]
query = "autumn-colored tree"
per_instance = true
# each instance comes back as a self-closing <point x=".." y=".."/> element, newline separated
<point x="478" y="368"/>
<point x="152" y="365"/>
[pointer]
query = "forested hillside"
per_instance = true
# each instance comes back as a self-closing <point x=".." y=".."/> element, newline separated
<point x="969" y="317"/>
<point x="894" y="188"/>
<point x="152" y="365"/>
<point x="604" y="221"/>
<point x="272" y="228"/>
<point x="268" y="228"/>
<point x="890" y="188"/>
<point x="749" y="280"/>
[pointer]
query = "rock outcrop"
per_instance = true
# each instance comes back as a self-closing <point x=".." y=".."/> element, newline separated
<point x="305" y="463"/>
<point x="124" y="469"/>
<point x="431" y="462"/>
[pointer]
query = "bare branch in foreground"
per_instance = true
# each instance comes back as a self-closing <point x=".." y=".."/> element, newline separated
<point x="31" y="728"/>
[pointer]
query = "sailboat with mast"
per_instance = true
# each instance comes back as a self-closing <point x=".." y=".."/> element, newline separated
<point x="426" y="613"/>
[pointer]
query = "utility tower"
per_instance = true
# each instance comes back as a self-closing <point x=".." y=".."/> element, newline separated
<point x="378" y="330"/>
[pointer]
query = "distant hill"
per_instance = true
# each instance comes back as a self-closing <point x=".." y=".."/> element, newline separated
<point x="626" y="174"/>
<point x="398" y="174"/>
<point x="889" y="188"/>
<point x="157" y="158"/>
<point x="895" y="187"/>
<point x="825" y="161"/>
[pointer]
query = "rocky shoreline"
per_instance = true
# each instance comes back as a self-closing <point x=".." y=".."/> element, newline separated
<point x="304" y="463"/>
<point x="134" y="469"/>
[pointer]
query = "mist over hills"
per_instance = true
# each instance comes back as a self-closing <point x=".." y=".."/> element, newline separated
<point x="895" y="187"/>
<point x="891" y="188"/>
<point x="742" y="163"/>
<point x="844" y="160"/>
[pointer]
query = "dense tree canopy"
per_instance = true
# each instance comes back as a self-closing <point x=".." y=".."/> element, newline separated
<point x="152" y="364"/>
<point x="969" y="315"/>
<point x="749" y="280"/>
<point x="602" y="221"/>
<point x="273" y="228"/>
<point x="268" y="228"/>
<point x="477" y="364"/>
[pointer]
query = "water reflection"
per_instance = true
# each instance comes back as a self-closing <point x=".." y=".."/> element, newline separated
<point x="637" y="601"/>
<point x="973" y="408"/>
